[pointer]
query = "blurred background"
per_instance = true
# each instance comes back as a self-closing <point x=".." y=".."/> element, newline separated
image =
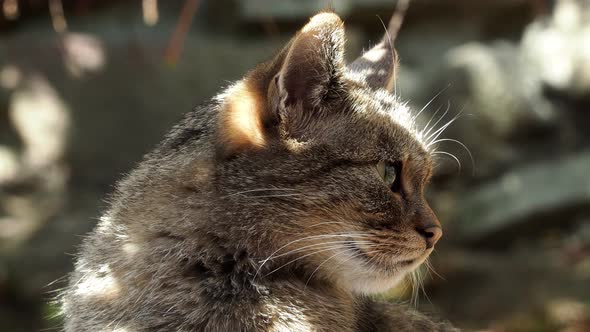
<point x="88" y="86"/>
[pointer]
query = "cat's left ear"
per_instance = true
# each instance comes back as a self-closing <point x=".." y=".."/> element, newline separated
<point x="378" y="66"/>
<point x="311" y="72"/>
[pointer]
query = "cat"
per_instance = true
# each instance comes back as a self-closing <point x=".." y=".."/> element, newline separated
<point x="281" y="205"/>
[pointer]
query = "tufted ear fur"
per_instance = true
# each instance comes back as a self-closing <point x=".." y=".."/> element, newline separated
<point x="313" y="66"/>
<point x="291" y="89"/>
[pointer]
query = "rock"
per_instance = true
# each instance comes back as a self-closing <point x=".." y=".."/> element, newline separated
<point x="502" y="90"/>
<point x="33" y="176"/>
<point x="525" y="201"/>
<point x="524" y="289"/>
<point x="499" y="99"/>
<point x="557" y="47"/>
<point x="495" y="83"/>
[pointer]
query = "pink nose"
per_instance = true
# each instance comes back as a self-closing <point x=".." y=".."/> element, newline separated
<point x="431" y="234"/>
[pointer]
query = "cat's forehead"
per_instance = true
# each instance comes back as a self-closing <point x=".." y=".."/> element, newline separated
<point x="376" y="126"/>
<point x="366" y="99"/>
<point x="385" y="112"/>
<point x="383" y="102"/>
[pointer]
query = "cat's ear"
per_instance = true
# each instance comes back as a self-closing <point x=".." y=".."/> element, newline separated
<point x="306" y="74"/>
<point x="378" y="66"/>
<point x="313" y="65"/>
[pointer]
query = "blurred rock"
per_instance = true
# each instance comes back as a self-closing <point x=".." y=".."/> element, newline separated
<point x="525" y="201"/>
<point x="525" y="289"/>
<point x="569" y="312"/>
<point x="558" y="47"/>
<point x="33" y="176"/>
<point x="495" y="83"/>
<point x="500" y="99"/>
<point x="501" y="89"/>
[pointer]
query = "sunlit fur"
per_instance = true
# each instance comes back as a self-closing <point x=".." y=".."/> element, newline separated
<point x="263" y="210"/>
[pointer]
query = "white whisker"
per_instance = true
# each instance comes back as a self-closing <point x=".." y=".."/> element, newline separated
<point x="429" y="129"/>
<point x="307" y="238"/>
<point x="457" y="142"/>
<point x="431" y="269"/>
<point x="319" y="244"/>
<point x="450" y="155"/>
<point x="429" y="102"/>
<point x="296" y="259"/>
<point x="439" y="131"/>
<point x="270" y="196"/>
<point x="326" y="223"/>
<point x="426" y="126"/>
<point x="257" y="190"/>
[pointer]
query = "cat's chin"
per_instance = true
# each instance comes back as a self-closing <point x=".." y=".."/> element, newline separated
<point x="371" y="284"/>
<point x="361" y="278"/>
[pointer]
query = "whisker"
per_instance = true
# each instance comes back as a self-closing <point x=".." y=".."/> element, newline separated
<point x="431" y="268"/>
<point x="450" y="155"/>
<point x="426" y="126"/>
<point x="296" y="259"/>
<point x="257" y="190"/>
<point x="270" y="196"/>
<point x="422" y="277"/>
<point x="319" y="244"/>
<point x="412" y="283"/>
<point x="60" y="279"/>
<point x="307" y="238"/>
<point x="304" y="256"/>
<point x="407" y="284"/>
<point x="457" y="142"/>
<point x="415" y="287"/>
<point x="429" y="102"/>
<point x="439" y="131"/>
<point x="437" y="121"/>
<point x="326" y="223"/>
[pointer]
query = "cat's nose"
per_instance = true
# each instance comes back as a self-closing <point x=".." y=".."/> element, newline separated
<point x="431" y="234"/>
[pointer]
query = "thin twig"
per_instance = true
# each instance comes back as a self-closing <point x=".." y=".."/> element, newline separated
<point x="187" y="13"/>
<point x="397" y="18"/>
<point x="56" y="10"/>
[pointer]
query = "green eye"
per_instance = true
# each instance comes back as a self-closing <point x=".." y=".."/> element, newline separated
<point x="388" y="173"/>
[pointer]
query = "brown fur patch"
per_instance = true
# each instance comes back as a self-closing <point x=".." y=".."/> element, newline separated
<point x="241" y="124"/>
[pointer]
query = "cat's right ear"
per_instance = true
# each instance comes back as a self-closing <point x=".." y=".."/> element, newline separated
<point x="289" y="90"/>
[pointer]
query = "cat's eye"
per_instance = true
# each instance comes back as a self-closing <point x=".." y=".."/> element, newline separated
<point x="389" y="174"/>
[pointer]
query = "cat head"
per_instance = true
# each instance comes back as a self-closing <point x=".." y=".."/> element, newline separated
<point x="320" y="166"/>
